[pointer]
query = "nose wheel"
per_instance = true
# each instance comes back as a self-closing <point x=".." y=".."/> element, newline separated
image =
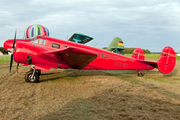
<point x="32" y="76"/>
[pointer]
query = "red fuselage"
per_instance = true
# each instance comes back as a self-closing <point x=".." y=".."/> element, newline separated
<point x="28" y="52"/>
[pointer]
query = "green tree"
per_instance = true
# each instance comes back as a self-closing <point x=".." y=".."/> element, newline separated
<point x="3" y="50"/>
<point x="130" y="51"/>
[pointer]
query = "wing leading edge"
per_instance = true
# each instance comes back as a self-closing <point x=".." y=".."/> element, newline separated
<point x="74" y="57"/>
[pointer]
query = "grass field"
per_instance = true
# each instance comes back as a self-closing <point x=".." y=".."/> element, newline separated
<point x="90" y="95"/>
<point x="6" y="58"/>
<point x="146" y="55"/>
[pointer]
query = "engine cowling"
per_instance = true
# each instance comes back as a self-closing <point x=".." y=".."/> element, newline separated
<point x="23" y="52"/>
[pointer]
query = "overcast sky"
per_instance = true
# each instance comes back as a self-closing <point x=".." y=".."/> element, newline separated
<point x="148" y="24"/>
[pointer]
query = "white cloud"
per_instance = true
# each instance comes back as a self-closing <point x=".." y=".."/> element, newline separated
<point x="132" y="20"/>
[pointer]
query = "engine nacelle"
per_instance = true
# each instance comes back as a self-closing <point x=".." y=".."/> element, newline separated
<point x="29" y="53"/>
<point x="23" y="52"/>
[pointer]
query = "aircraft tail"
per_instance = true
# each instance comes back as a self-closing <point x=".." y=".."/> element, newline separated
<point x="117" y="46"/>
<point x="165" y="63"/>
<point x="167" y="60"/>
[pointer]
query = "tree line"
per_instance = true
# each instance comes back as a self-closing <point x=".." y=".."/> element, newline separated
<point x="130" y="51"/>
<point x="3" y="50"/>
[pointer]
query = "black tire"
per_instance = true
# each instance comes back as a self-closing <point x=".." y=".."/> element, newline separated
<point x="28" y="77"/>
<point x="38" y="72"/>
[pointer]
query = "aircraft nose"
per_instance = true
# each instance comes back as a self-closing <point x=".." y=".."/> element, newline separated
<point x="8" y="44"/>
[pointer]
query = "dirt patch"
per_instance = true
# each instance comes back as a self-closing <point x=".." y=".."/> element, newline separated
<point x="74" y="94"/>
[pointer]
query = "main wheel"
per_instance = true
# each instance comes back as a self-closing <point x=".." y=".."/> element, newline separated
<point x="28" y="77"/>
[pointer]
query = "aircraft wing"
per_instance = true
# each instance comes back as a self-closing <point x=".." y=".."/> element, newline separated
<point x="74" y="57"/>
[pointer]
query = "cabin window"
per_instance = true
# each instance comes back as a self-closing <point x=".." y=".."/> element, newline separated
<point x="103" y="55"/>
<point x="65" y="47"/>
<point x="40" y="41"/>
<point x="44" y="42"/>
<point x="55" y="45"/>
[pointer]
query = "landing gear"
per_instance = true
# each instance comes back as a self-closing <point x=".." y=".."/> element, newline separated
<point x="140" y="74"/>
<point x="37" y="71"/>
<point x="32" y="76"/>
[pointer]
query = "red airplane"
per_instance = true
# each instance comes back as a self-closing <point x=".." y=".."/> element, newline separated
<point x="45" y="52"/>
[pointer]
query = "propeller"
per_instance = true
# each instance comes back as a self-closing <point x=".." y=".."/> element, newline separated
<point x="12" y="51"/>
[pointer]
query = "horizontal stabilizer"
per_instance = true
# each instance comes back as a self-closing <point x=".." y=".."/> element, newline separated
<point x="154" y="64"/>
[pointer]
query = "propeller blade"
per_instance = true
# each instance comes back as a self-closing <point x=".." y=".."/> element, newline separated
<point x="12" y="55"/>
<point x="11" y="62"/>
<point x="14" y="39"/>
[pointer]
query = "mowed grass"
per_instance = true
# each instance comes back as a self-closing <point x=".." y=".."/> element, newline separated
<point x="86" y="95"/>
<point x="146" y="55"/>
<point x="5" y="58"/>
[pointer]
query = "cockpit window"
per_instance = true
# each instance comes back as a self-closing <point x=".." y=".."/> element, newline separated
<point x="36" y="41"/>
<point x="40" y="41"/>
<point x="33" y="39"/>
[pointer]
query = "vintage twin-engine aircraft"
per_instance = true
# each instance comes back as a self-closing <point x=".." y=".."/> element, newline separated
<point x="46" y="52"/>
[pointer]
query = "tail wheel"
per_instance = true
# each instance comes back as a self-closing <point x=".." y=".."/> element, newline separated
<point x="140" y="74"/>
<point x="29" y="78"/>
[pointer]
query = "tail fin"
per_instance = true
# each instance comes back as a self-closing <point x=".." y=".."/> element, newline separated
<point x="138" y="54"/>
<point x="116" y="45"/>
<point x="167" y="60"/>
